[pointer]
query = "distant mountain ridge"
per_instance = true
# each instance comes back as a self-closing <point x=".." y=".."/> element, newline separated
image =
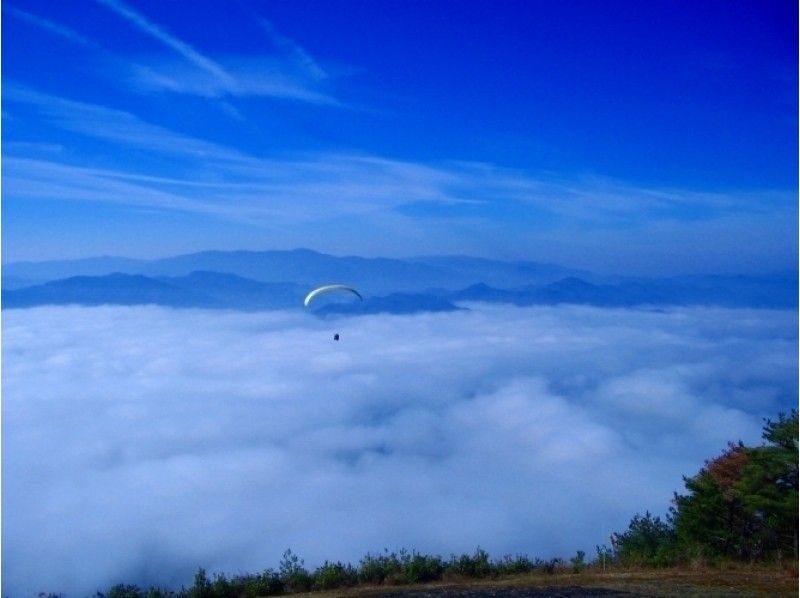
<point x="210" y="290"/>
<point x="45" y="271"/>
<point x="216" y="290"/>
<point x="771" y="291"/>
<point x="396" y="303"/>
<point x="304" y="266"/>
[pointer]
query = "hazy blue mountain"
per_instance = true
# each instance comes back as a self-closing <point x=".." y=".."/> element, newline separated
<point x="205" y="290"/>
<point x="483" y="292"/>
<point x="372" y="275"/>
<point x="15" y="282"/>
<point x="303" y="266"/>
<point x="241" y="293"/>
<point x="60" y="269"/>
<point x="115" y="289"/>
<point x="222" y="290"/>
<point x="577" y="291"/>
<point x="568" y="290"/>
<point x="503" y="273"/>
<point x="396" y="303"/>
<point x="778" y="290"/>
<point x="279" y="279"/>
<point x="198" y="289"/>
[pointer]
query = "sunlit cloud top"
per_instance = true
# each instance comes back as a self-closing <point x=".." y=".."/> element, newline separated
<point x="141" y="443"/>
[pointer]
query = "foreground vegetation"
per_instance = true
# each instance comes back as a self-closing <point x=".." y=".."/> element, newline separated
<point x="739" y="518"/>
<point x="741" y="506"/>
<point x="420" y="572"/>
<point x="731" y="579"/>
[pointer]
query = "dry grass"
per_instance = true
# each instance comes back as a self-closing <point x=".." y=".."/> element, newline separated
<point x="733" y="580"/>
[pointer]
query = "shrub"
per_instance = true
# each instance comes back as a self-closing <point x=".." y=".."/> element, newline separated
<point x="549" y="567"/>
<point x="743" y="504"/>
<point x="578" y="562"/>
<point x="201" y="588"/>
<point x="293" y="575"/>
<point x="335" y="575"/>
<point x="605" y="555"/>
<point x="514" y="565"/>
<point x="418" y="568"/>
<point x="648" y="541"/>
<point x="124" y="591"/>
<point x="379" y="568"/>
<point x="476" y="565"/>
<point x="267" y="583"/>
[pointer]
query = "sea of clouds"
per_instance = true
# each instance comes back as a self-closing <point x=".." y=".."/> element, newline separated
<point x="141" y="443"/>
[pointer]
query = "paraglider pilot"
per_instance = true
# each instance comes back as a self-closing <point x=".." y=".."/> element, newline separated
<point x="327" y="289"/>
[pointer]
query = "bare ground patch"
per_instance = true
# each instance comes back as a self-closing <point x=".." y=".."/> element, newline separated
<point x="666" y="583"/>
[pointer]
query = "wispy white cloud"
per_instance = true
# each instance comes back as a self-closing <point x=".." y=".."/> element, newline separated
<point x="291" y="74"/>
<point x="141" y="443"/>
<point x="39" y="179"/>
<point x="33" y="147"/>
<point x="260" y="76"/>
<point x="424" y="207"/>
<point x="169" y="40"/>
<point x="116" y="126"/>
<point x="292" y="49"/>
<point x="47" y="25"/>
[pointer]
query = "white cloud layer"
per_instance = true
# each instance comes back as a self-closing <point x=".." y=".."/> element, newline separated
<point x="141" y="443"/>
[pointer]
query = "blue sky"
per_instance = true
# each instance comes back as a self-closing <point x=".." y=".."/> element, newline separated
<point x="624" y="137"/>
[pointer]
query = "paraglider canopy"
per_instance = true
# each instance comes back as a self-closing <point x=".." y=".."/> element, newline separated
<point x="330" y="288"/>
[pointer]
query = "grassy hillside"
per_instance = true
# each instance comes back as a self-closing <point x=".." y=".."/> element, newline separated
<point x="730" y="580"/>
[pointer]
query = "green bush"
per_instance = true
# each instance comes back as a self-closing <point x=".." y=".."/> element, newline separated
<point x="515" y="565"/>
<point x="293" y="575"/>
<point x="578" y="562"/>
<point x="334" y="575"/>
<point x="418" y="568"/>
<point x="743" y="504"/>
<point x="647" y="541"/>
<point x="124" y="591"/>
<point x="267" y="583"/>
<point x="549" y="567"/>
<point x="476" y="565"/>
<point x="201" y="588"/>
<point x="605" y="555"/>
<point x="378" y="568"/>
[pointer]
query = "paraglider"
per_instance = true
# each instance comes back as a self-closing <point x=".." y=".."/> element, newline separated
<point x="330" y="288"/>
